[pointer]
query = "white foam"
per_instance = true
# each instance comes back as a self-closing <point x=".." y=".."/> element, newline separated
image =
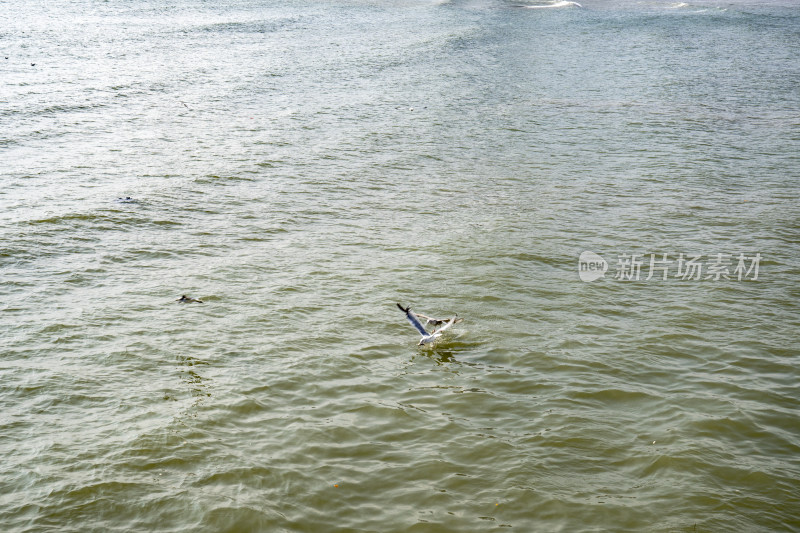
<point x="560" y="3"/>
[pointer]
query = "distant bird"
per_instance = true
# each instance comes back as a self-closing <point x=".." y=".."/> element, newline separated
<point x="33" y="64"/>
<point x="186" y="300"/>
<point x="126" y="200"/>
<point x="427" y="337"/>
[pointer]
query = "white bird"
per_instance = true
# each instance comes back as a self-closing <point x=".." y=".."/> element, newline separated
<point x="427" y="337"/>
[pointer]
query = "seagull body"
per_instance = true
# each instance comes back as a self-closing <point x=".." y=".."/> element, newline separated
<point x="186" y="300"/>
<point x="427" y="337"/>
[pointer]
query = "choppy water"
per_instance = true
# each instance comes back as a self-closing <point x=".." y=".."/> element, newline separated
<point x="302" y="166"/>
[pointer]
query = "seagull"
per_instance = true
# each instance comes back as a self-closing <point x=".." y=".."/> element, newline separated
<point x="427" y="337"/>
<point x="186" y="300"/>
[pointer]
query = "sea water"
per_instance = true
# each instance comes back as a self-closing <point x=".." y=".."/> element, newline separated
<point x="605" y="191"/>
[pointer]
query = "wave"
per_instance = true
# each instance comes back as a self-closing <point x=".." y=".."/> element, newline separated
<point x="558" y="3"/>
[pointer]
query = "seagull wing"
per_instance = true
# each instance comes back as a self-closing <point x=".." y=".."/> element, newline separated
<point x="427" y="319"/>
<point x="414" y="320"/>
<point x="437" y="321"/>
<point x="447" y="325"/>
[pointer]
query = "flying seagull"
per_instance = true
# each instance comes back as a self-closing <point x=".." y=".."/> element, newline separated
<point x="187" y="300"/>
<point x="427" y="337"/>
